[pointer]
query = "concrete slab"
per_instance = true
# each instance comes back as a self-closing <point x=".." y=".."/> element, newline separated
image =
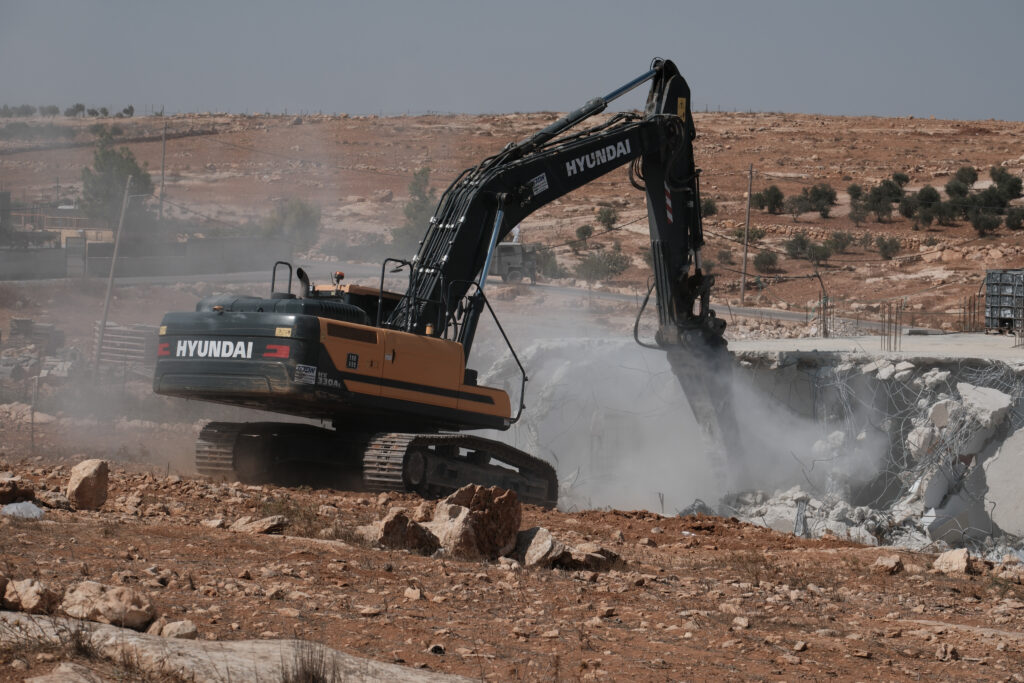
<point x="976" y="345"/>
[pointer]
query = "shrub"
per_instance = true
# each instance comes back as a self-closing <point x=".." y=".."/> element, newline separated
<point x="865" y="240"/>
<point x="796" y="205"/>
<point x="887" y="247"/>
<point x="956" y="189"/>
<point x="418" y="211"/>
<point x="103" y="184"/>
<point x="945" y="213"/>
<point x="583" y="233"/>
<point x="50" y="110"/>
<point x="758" y="201"/>
<point x="900" y="179"/>
<point x="708" y="207"/>
<point x="891" y="189"/>
<point x="797" y="246"/>
<point x="968" y="175"/>
<point x="855" y="191"/>
<point x="930" y="241"/>
<point x="294" y="220"/>
<point x="753" y="234"/>
<point x="773" y="199"/>
<point x="908" y="206"/>
<point x="607" y="217"/>
<point x="725" y="256"/>
<point x="548" y="266"/>
<point x="766" y="261"/>
<point x="818" y="253"/>
<point x="821" y="198"/>
<point x="1015" y="218"/>
<point x="879" y="202"/>
<point x="985" y="223"/>
<point x="858" y="212"/>
<point x="601" y="266"/>
<point x="928" y="196"/>
<point x="839" y="242"/>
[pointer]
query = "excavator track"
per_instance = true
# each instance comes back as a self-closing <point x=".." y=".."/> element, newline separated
<point x="215" y="450"/>
<point x="432" y="465"/>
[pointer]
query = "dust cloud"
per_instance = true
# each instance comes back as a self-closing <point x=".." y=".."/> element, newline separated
<point x="614" y="419"/>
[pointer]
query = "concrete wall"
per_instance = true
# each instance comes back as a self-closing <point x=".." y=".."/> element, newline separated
<point x="32" y="264"/>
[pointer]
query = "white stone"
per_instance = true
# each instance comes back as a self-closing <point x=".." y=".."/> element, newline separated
<point x="184" y="629"/>
<point x="1004" y="473"/>
<point x="920" y="440"/>
<point x="120" y="605"/>
<point x="941" y="413"/>
<point x="987" y="406"/>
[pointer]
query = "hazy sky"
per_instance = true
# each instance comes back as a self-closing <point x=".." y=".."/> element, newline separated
<point x="943" y="58"/>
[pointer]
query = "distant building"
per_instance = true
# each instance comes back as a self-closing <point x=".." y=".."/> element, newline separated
<point x="68" y="221"/>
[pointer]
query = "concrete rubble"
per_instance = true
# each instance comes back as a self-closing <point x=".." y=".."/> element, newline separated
<point x="946" y="473"/>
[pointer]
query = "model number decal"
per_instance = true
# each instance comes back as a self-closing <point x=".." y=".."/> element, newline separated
<point x="305" y="374"/>
<point x="195" y="348"/>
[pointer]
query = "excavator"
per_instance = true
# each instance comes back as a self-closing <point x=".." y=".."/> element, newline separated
<point x="389" y="371"/>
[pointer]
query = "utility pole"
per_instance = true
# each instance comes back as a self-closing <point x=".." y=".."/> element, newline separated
<point x="746" y="235"/>
<point x="110" y="278"/>
<point x="163" y="155"/>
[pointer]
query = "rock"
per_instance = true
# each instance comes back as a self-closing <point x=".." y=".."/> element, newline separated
<point x="29" y="596"/>
<point x="87" y="488"/>
<point x="413" y="594"/>
<point x="888" y="564"/>
<point x="14" y="490"/>
<point x="955" y="562"/>
<point x="593" y="557"/>
<point x="54" y="500"/>
<point x="68" y="672"/>
<point x="539" y="548"/>
<point x="184" y="629"/>
<point x="941" y="412"/>
<point x="477" y="523"/>
<point x="274" y="524"/>
<point x="120" y="606"/>
<point x="424" y="512"/>
<point x="920" y="441"/>
<point x="22" y="510"/>
<point x="156" y="627"/>
<point x="960" y="518"/>
<point x="740" y="623"/>
<point x="213" y="523"/>
<point x="396" y="530"/>
<point x="383" y="196"/>
<point x="156" y="658"/>
<point x="1003" y="473"/>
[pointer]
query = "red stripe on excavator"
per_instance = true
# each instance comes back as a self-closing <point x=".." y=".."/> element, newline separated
<point x="164" y="349"/>
<point x="276" y="351"/>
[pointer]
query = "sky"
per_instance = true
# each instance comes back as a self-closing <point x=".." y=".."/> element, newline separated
<point x="941" y="58"/>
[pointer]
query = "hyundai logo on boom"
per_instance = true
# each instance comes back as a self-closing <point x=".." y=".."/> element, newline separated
<point x="596" y="158"/>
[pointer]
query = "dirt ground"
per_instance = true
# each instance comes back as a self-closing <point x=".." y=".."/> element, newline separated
<point x="696" y="599"/>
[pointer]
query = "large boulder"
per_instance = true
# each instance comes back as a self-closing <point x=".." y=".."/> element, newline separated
<point x="477" y="523"/>
<point x="396" y="530"/>
<point x="87" y="488"/>
<point x="29" y="596"/>
<point x="117" y="605"/>
<point x="955" y="562"/>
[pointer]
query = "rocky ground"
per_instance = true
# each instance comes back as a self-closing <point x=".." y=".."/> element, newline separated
<point x="660" y="598"/>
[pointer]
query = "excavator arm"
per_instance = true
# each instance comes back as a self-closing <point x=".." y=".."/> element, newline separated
<point x="485" y="202"/>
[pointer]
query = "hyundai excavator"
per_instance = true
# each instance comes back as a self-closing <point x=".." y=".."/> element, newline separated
<point x="388" y="371"/>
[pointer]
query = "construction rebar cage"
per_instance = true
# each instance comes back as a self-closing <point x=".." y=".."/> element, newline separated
<point x="1004" y="300"/>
